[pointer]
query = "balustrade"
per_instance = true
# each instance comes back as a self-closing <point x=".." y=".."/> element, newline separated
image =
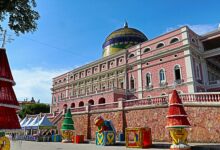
<point x="201" y="97"/>
<point x="208" y="97"/>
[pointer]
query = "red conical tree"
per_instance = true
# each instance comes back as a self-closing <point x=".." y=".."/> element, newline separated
<point x="8" y="100"/>
<point x="176" y="116"/>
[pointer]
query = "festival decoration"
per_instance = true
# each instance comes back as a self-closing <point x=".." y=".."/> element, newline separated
<point x="138" y="137"/>
<point x="177" y="122"/>
<point x="56" y="138"/>
<point x="106" y="131"/>
<point x="8" y="101"/>
<point x="78" y="139"/>
<point x="67" y="129"/>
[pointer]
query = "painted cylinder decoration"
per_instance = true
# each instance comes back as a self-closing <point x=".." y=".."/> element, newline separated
<point x="177" y="123"/>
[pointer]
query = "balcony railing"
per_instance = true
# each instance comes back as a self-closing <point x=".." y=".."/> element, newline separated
<point x="113" y="105"/>
<point x="78" y="109"/>
<point x="201" y="97"/>
<point x="159" y="100"/>
<point x="57" y="117"/>
<point x="207" y="98"/>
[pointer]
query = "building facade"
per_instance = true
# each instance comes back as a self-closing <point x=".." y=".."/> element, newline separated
<point x="135" y="67"/>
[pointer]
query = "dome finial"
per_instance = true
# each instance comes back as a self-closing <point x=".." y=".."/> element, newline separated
<point x="126" y="24"/>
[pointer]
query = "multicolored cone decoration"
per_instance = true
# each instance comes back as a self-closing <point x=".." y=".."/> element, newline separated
<point x="177" y="122"/>
<point x="67" y="128"/>
<point x="8" y="101"/>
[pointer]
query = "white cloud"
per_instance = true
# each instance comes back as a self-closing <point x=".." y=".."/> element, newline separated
<point x="34" y="82"/>
<point x="199" y="28"/>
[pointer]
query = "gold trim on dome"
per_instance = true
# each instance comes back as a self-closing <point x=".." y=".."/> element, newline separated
<point x="125" y="31"/>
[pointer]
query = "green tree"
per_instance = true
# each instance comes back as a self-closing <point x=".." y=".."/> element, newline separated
<point x="68" y="123"/>
<point x="20" y="15"/>
<point x="32" y="109"/>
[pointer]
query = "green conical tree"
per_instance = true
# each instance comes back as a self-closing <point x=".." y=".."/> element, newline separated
<point x="68" y="123"/>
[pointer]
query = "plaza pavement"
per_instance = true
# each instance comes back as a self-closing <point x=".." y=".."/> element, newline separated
<point x="27" y="145"/>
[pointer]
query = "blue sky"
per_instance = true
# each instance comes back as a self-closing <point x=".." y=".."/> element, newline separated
<point x="71" y="33"/>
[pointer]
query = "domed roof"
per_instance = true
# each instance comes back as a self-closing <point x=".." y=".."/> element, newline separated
<point x="121" y="39"/>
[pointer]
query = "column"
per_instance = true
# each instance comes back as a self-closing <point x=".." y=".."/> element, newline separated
<point x="139" y="72"/>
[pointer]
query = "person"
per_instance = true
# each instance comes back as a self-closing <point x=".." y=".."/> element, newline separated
<point x="13" y="136"/>
<point x="52" y="132"/>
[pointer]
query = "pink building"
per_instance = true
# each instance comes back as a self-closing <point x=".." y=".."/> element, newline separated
<point x="134" y="67"/>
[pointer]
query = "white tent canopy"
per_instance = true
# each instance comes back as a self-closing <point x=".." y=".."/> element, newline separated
<point x="37" y="123"/>
<point x="33" y="123"/>
<point x="22" y="122"/>
<point x="26" y="124"/>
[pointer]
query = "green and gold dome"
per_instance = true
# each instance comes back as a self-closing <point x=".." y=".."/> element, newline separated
<point x="121" y="39"/>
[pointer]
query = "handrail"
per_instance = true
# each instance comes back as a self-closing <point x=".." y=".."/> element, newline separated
<point x="57" y="117"/>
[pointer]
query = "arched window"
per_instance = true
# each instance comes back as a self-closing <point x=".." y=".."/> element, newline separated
<point x="91" y="102"/>
<point x="65" y="106"/>
<point x="160" y="45"/>
<point x="163" y="94"/>
<point x="174" y="40"/>
<point x="73" y="105"/>
<point x="81" y="104"/>
<point x="146" y="50"/>
<point x="162" y="76"/>
<point x="148" y="79"/>
<point x="131" y="55"/>
<point x="132" y="82"/>
<point x="102" y="100"/>
<point x="177" y="72"/>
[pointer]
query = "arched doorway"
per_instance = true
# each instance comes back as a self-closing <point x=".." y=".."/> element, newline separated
<point x="65" y="106"/>
<point x="73" y="105"/>
<point x="81" y="104"/>
<point x="91" y="102"/>
<point x="102" y="100"/>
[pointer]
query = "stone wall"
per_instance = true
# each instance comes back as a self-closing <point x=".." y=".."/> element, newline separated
<point x="155" y="118"/>
<point x="205" y="121"/>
